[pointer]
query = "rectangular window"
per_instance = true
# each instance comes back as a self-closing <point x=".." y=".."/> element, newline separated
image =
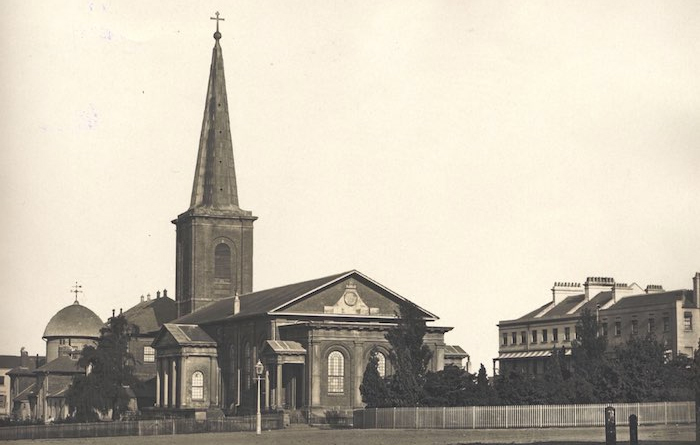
<point x="688" y="321"/>
<point x="505" y="339"/>
<point x="577" y="334"/>
<point x="604" y="329"/>
<point x="544" y="336"/>
<point x="149" y="354"/>
<point x="2" y="401"/>
<point x="635" y="327"/>
<point x="567" y="334"/>
<point x="618" y="328"/>
<point x="2" y="379"/>
<point x="523" y="337"/>
<point x="555" y="335"/>
<point x="534" y="336"/>
<point x="667" y="324"/>
<point x="651" y="326"/>
<point x="514" y="338"/>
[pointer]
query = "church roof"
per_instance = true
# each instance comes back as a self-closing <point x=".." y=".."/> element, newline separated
<point x="270" y="300"/>
<point x="149" y="315"/>
<point x="454" y="351"/>
<point x="187" y="334"/>
<point x="74" y="321"/>
<point x="285" y="347"/>
<point x="214" y="191"/>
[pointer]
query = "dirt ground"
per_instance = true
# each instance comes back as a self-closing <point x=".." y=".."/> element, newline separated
<point x="303" y="435"/>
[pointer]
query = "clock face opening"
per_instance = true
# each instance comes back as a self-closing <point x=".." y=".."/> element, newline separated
<point x="350" y="298"/>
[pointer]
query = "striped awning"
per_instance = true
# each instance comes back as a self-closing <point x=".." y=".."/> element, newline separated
<point x="528" y="354"/>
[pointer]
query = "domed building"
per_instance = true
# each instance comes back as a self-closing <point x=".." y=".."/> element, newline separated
<point x="70" y="329"/>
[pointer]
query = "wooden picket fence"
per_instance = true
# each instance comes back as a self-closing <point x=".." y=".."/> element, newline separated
<point x="522" y="416"/>
<point x="140" y="428"/>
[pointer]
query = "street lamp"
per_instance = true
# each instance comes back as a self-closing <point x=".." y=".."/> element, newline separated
<point x="259" y="368"/>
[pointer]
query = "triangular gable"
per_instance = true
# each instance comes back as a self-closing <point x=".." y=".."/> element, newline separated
<point x="353" y="294"/>
<point x="164" y="339"/>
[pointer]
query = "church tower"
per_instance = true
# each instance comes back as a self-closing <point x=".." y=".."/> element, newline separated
<point x="214" y="236"/>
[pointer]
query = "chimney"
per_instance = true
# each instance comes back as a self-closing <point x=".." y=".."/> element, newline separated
<point x="142" y="299"/>
<point x="653" y="289"/>
<point x="148" y="296"/>
<point x="561" y="290"/>
<point x="165" y="293"/>
<point x="23" y="358"/>
<point x="236" y="304"/>
<point x="696" y="289"/>
<point x="595" y="285"/>
<point x="622" y="290"/>
<point x="157" y="295"/>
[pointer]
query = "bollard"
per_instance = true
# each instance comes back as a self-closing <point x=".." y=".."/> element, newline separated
<point x="610" y="433"/>
<point x="634" y="440"/>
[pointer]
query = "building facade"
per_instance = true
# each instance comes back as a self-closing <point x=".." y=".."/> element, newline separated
<point x="622" y="310"/>
<point x="313" y="338"/>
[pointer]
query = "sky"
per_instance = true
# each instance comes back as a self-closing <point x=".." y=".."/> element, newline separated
<point x="465" y="154"/>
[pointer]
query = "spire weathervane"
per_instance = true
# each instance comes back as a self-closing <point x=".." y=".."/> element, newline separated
<point x="217" y="34"/>
<point x="76" y="290"/>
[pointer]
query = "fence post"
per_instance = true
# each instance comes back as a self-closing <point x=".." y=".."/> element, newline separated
<point x="393" y="420"/>
<point x="473" y="417"/>
<point x="416" y="426"/>
<point x="444" y="411"/>
<point x="665" y="413"/>
<point x="506" y="416"/>
<point x="376" y="417"/>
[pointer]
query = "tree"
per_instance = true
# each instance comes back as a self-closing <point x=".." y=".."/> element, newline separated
<point x="409" y="356"/>
<point x="373" y="387"/>
<point x="453" y="386"/>
<point x="109" y="374"/>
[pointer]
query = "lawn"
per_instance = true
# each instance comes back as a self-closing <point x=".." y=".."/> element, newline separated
<point x="302" y="435"/>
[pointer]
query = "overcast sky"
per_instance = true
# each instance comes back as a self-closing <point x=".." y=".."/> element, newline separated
<point x="465" y="154"/>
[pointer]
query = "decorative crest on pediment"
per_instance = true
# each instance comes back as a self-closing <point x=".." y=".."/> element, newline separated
<point x="350" y="303"/>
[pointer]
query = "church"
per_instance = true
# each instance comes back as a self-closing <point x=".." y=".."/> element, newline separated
<point x="306" y="344"/>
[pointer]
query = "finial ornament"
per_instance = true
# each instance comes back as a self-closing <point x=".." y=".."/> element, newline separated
<point x="217" y="34"/>
<point x="76" y="289"/>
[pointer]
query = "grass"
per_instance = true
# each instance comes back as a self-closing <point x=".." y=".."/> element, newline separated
<point x="302" y="435"/>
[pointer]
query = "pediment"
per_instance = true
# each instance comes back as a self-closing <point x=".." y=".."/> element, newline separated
<point x="352" y="296"/>
<point x="164" y="339"/>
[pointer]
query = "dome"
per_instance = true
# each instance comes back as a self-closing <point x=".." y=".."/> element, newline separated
<point x="74" y="321"/>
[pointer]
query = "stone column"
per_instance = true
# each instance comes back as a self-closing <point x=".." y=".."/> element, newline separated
<point x="278" y="383"/>
<point x="358" y="370"/>
<point x="266" y="402"/>
<point x="182" y="402"/>
<point x="315" y="362"/>
<point x="158" y="399"/>
<point x="166" y="383"/>
<point x="212" y="381"/>
<point x="173" y="384"/>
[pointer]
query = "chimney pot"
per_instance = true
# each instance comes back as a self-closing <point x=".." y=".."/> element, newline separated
<point x="148" y="296"/>
<point x="142" y="299"/>
<point x="157" y="294"/>
<point x="165" y="293"/>
<point x="696" y="289"/>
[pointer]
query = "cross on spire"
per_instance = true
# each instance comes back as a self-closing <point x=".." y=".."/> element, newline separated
<point x="76" y="289"/>
<point x="217" y="18"/>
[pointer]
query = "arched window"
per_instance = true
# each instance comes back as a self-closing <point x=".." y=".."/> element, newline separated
<point x="336" y="372"/>
<point x="381" y="364"/>
<point x="222" y="261"/>
<point x="197" y="386"/>
<point x="246" y="365"/>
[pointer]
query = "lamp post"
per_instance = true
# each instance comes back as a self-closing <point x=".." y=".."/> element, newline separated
<point x="259" y="368"/>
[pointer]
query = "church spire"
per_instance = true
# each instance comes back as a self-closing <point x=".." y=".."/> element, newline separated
<point x="214" y="189"/>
